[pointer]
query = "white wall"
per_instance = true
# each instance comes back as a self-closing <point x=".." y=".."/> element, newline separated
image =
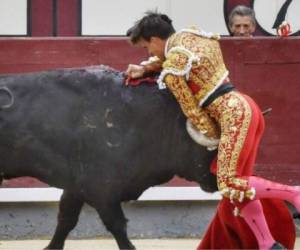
<point x="114" y="17"/>
<point x="13" y="17"/>
<point x="207" y="15"/>
<point x="266" y="12"/>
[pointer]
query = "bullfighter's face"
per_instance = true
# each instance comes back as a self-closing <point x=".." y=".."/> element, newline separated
<point x="155" y="46"/>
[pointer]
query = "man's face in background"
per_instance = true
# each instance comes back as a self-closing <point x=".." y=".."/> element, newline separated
<point x="242" y="26"/>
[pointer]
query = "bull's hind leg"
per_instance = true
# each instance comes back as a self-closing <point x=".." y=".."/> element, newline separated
<point x="113" y="218"/>
<point x="69" y="210"/>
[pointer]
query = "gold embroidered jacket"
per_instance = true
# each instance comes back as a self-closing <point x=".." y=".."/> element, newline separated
<point x="194" y="56"/>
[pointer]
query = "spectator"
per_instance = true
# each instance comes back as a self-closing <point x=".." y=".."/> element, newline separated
<point x="242" y="21"/>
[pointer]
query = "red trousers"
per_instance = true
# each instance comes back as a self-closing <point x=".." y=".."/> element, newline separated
<point x="237" y="157"/>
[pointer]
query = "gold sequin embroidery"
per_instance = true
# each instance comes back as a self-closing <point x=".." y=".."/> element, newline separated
<point x="209" y="71"/>
<point x="199" y="118"/>
<point x="234" y="114"/>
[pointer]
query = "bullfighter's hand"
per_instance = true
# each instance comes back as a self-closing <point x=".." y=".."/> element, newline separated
<point x="236" y="189"/>
<point x="134" y="71"/>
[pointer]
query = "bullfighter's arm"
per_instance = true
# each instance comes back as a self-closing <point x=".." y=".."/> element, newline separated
<point x="152" y="65"/>
<point x="198" y="117"/>
<point x="176" y="67"/>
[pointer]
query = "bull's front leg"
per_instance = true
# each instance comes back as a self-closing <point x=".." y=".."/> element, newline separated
<point x="69" y="210"/>
<point x="113" y="218"/>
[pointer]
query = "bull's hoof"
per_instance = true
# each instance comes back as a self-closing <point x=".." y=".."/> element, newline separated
<point x="130" y="246"/>
<point x="52" y="248"/>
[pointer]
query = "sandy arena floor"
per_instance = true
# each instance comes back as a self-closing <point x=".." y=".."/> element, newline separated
<point x="108" y="244"/>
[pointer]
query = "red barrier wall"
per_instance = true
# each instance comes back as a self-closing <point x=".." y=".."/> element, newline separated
<point x="268" y="69"/>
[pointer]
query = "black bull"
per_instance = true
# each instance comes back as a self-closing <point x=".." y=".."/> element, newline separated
<point x="84" y="131"/>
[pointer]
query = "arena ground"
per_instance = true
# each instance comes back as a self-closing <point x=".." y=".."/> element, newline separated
<point x="108" y="244"/>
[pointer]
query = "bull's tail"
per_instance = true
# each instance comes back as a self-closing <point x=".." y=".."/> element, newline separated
<point x="10" y="95"/>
